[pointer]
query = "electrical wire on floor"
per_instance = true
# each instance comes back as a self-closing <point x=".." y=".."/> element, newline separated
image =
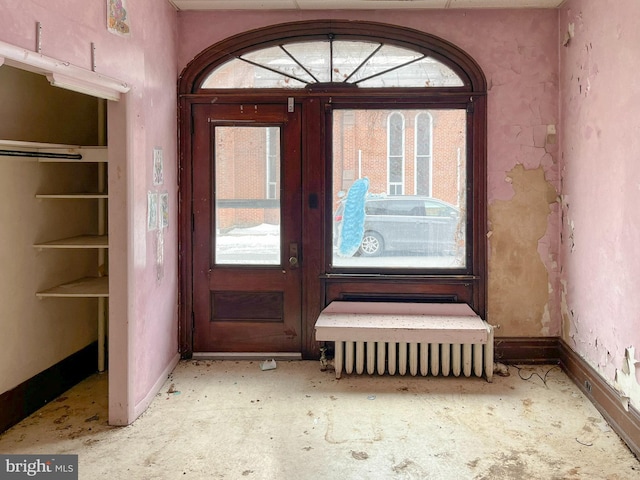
<point x="534" y="374"/>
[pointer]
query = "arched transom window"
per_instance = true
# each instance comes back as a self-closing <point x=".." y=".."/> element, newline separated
<point x="356" y="63"/>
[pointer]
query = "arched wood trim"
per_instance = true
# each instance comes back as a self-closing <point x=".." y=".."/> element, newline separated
<point x="444" y="51"/>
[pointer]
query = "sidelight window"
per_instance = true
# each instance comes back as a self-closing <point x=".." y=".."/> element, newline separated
<point x="395" y="154"/>
<point x="423" y="134"/>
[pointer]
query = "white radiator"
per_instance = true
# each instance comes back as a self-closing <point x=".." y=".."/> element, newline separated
<point x="414" y="358"/>
<point x="407" y="339"/>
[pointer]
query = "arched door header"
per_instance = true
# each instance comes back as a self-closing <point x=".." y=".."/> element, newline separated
<point x="466" y="74"/>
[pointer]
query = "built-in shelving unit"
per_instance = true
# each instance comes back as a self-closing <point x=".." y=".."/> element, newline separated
<point x="86" y="287"/>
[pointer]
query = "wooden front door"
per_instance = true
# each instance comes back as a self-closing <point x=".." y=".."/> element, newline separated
<point x="246" y="228"/>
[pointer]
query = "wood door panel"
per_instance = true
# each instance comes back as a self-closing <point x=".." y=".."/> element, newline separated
<point x="244" y="306"/>
<point x="246" y="299"/>
<point x="247" y="337"/>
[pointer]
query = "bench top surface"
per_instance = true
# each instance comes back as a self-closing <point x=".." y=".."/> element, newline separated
<point x="369" y="321"/>
<point x="393" y="322"/>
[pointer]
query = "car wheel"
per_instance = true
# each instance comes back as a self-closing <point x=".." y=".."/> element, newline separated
<point x="371" y="245"/>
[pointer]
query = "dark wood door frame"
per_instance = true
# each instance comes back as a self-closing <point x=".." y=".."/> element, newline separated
<point x="253" y="306"/>
<point x="313" y="215"/>
<point x="320" y="285"/>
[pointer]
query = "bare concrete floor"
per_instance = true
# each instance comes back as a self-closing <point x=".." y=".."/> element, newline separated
<point x="230" y="420"/>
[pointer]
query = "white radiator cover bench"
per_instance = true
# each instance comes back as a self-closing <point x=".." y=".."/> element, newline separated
<point x="415" y="338"/>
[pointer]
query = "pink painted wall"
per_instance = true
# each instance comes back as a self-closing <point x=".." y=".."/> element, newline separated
<point x="593" y="303"/>
<point x="600" y="132"/>
<point x="518" y="52"/>
<point x="143" y="315"/>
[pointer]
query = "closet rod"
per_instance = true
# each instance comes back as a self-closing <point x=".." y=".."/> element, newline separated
<point x="18" y="153"/>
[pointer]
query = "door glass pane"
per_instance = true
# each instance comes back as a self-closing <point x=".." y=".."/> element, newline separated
<point x="421" y="222"/>
<point x="247" y="196"/>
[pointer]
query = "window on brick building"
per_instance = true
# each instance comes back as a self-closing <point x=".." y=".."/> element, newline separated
<point x="423" y="133"/>
<point x="395" y="154"/>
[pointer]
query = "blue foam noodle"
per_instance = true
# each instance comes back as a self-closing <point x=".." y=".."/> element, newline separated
<point x="353" y="219"/>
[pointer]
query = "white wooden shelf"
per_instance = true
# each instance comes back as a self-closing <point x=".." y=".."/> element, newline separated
<point x="82" y="241"/>
<point x="72" y="195"/>
<point x="87" y="287"/>
<point x="35" y="146"/>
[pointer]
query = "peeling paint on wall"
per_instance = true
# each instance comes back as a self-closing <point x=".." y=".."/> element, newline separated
<point x="600" y="232"/>
<point x="519" y="288"/>
<point x="626" y="381"/>
<point x="565" y="312"/>
<point x="567" y="237"/>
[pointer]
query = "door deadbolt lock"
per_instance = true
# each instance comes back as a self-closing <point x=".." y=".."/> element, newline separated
<point x="293" y="255"/>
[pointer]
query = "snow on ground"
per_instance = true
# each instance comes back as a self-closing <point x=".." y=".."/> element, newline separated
<point x="259" y="245"/>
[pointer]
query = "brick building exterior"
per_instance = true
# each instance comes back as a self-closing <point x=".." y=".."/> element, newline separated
<point x="427" y="146"/>
<point x="407" y="152"/>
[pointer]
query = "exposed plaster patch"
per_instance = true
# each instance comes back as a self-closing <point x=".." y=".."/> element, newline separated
<point x="518" y="279"/>
<point x="572" y="241"/>
<point x="569" y="327"/>
<point x="587" y="88"/>
<point x="546" y="319"/>
<point x="626" y="381"/>
<point x="551" y="134"/>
